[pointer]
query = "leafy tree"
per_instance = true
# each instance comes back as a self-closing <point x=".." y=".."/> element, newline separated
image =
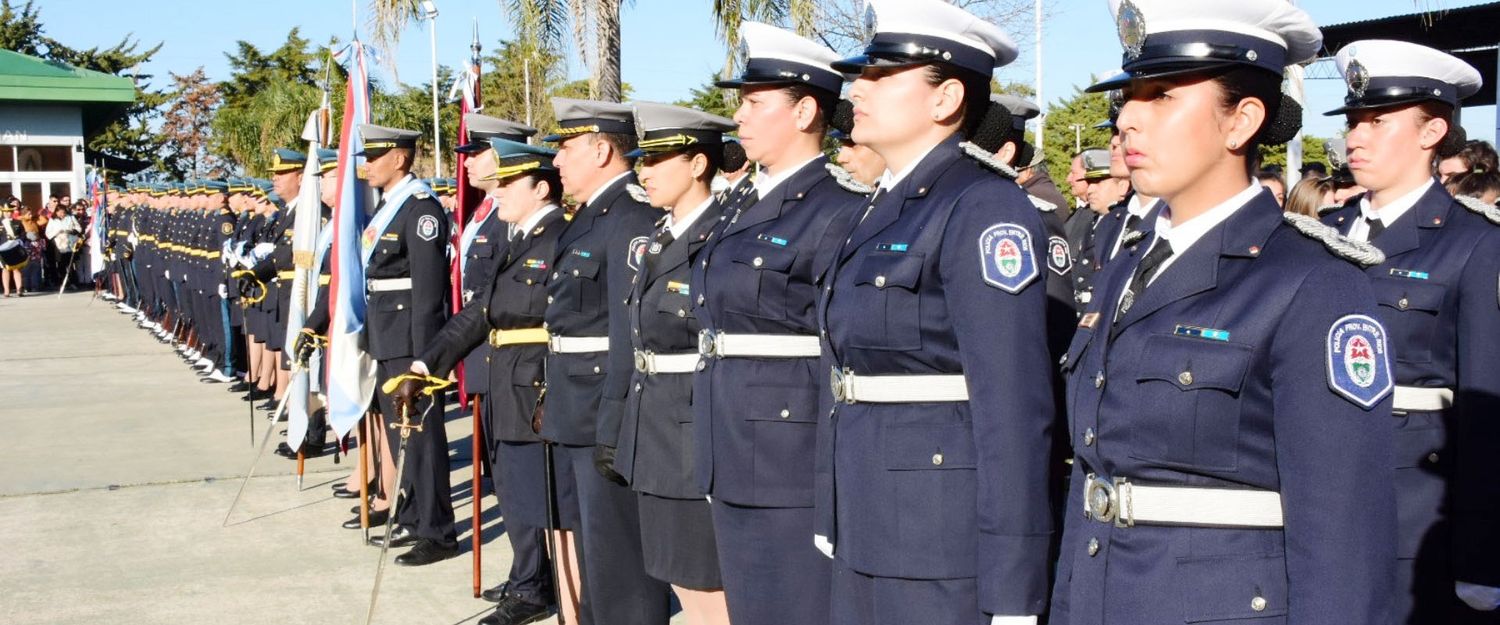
<point x="186" y="124"/>
<point x="711" y="99"/>
<point x="1312" y="151"/>
<point x="1070" y="124"/>
<point x="253" y="70"/>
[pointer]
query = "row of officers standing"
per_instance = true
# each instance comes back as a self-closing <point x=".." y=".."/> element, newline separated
<point x="811" y="398"/>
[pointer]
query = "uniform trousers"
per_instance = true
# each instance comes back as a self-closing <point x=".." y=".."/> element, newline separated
<point x="427" y="496"/>
<point x="519" y="474"/>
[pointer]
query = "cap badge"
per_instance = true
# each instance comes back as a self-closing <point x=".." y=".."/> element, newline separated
<point x="1357" y="77"/>
<point x="870" y="22"/>
<point x="1132" y="25"/>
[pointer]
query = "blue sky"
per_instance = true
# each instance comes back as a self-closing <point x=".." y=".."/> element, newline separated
<point x="669" y="46"/>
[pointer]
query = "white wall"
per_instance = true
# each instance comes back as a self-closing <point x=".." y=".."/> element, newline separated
<point x="33" y="124"/>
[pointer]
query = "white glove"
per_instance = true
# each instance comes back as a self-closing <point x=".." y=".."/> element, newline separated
<point x="1482" y="598"/>
<point x="996" y="619"/>
<point x="821" y="542"/>
<point x="167" y="274"/>
<point x="420" y="368"/>
<point x="223" y="292"/>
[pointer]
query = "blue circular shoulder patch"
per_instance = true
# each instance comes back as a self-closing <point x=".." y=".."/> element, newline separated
<point x="1007" y="258"/>
<point x="1359" y="365"/>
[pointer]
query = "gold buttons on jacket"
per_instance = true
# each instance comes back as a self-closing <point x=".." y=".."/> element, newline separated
<point x="1185" y="378"/>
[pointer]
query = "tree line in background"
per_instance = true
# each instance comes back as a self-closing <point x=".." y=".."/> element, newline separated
<point x="195" y="126"/>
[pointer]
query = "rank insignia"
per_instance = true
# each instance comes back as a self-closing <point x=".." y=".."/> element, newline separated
<point x="1007" y="258"/>
<point x="536" y="263"/>
<point x="1408" y="273"/>
<point x="1202" y="333"/>
<point x="1359" y="366"/>
<point x="680" y="288"/>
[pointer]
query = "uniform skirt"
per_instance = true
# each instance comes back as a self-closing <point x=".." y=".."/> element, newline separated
<point x="677" y="540"/>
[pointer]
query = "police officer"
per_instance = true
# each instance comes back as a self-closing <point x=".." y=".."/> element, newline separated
<point x="481" y="241"/>
<point x="507" y="313"/>
<point x="406" y="279"/>
<point x="755" y="292"/>
<point x="937" y="450"/>
<point x="597" y="254"/>
<point x="681" y="151"/>
<point x="1229" y="386"/>
<point x="1437" y="294"/>
<point x="1082" y="228"/>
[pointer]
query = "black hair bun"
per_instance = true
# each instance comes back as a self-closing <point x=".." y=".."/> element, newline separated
<point x="843" y="117"/>
<point x="1285" y="125"/>
<point x="734" y="156"/>
<point x="993" y="129"/>
<point x="1453" y="143"/>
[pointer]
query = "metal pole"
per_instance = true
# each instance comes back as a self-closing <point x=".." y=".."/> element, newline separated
<point x="1041" y="120"/>
<point x="526" y="77"/>
<point x="437" y="122"/>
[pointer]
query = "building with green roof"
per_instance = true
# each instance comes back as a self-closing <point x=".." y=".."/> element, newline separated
<point x="48" y="110"/>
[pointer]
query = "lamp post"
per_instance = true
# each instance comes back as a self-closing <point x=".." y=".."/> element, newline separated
<point x="1077" y="137"/>
<point x="430" y="13"/>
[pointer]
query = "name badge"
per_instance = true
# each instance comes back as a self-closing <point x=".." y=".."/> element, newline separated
<point x="1410" y="273"/>
<point x="1202" y="333"/>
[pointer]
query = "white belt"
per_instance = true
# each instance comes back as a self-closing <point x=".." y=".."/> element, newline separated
<point x="851" y="388"/>
<point x="1124" y="504"/>
<point x="1414" y="399"/>
<point x="381" y="285"/>
<point x="713" y="344"/>
<point x="651" y="363"/>
<point x="577" y="344"/>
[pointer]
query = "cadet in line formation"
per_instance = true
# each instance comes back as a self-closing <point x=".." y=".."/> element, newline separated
<point x="916" y="388"/>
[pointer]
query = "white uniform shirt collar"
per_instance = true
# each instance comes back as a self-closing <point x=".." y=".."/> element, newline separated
<point x="530" y="224"/>
<point x="767" y="183"/>
<point x="1135" y="207"/>
<point x="1184" y="235"/>
<point x="680" y="228"/>
<point x="600" y="191"/>
<point x="889" y="180"/>
<point x="1387" y="214"/>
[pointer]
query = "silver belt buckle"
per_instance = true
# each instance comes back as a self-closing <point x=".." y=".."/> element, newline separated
<point x="708" y="343"/>
<point x="842" y="384"/>
<point x="1108" y="501"/>
<point x="643" y="361"/>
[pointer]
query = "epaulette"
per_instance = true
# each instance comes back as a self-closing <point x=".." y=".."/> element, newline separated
<point x="638" y="193"/>
<point x="1041" y="204"/>
<point x="1358" y="252"/>
<point x="987" y="159"/>
<point x="1324" y="210"/>
<point x="421" y="195"/>
<point x="1479" y="207"/>
<point x="847" y="181"/>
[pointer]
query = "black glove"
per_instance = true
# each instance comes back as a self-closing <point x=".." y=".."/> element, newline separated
<point x="303" y="348"/>
<point x="604" y="463"/>
<point x="405" y="399"/>
<point x="245" y="287"/>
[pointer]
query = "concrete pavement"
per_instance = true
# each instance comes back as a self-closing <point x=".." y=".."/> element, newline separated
<point x="116" y="468"/>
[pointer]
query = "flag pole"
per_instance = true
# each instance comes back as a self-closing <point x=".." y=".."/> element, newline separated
<point x="430" y="12"/>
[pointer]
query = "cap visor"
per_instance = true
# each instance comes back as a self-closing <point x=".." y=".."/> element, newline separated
<point x="1376" y="104"/>
<point x="472" y="148"/>
<point x="1144" y="71"/>
<point x="733" y="83"/>
<point x="1105" y="125"/>
<point x="856" y="64"/>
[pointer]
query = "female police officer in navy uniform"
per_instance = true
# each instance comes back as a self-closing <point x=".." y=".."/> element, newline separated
<point x="1229" y="385"/>
<point x="755" y="292"/>
<point x="680" y="150"/>
<point x="936" y="451"/>
<point x="1437" y="294"/>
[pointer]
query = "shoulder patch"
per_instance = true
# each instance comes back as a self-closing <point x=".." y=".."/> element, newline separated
<point x="638" y="193"/>
<point x="1007" y="258"/>
<point x="427" y="227"/>
<point x="988" y="160"/>
<point x="1478" y="207"/>
<point x="1041" y="204"/>
<point x="1359" y="366"/>
<point x="1059" y="256"/>
<point x="847" y="181"/>
<point x="1358" y="252"/>
<point x="636" y="251"/>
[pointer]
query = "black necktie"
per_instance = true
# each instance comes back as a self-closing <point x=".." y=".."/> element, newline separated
<point x="1376" y="226"/>
<point x="659" y="243"/>
<point x="1157" y="255"/>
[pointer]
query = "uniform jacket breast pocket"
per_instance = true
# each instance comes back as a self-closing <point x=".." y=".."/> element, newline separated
<point x="675" y="304"/>
<point x="1191" y="413"/>
<point x="769" y="266"/>
<point x="1413" y="307"/>
<point x="527" y="288"/>
<point x="891" y="316"/>
<point x="582" y="276"/>
<point x="1233" y="589"/>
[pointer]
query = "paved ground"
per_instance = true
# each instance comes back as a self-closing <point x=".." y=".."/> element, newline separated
<point x="116" y="469"/>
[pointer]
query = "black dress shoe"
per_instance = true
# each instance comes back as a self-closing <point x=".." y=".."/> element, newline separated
<point x="494" y="595"/>
<point x="269" y="404"/>
<point x="427" y="551"/>
<point x="377" y="517"/>
<point x="239" y="387"/>
<point x="514" y="611"/>
<point x="400" y="537"/>
<point x="344" y="493"/>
